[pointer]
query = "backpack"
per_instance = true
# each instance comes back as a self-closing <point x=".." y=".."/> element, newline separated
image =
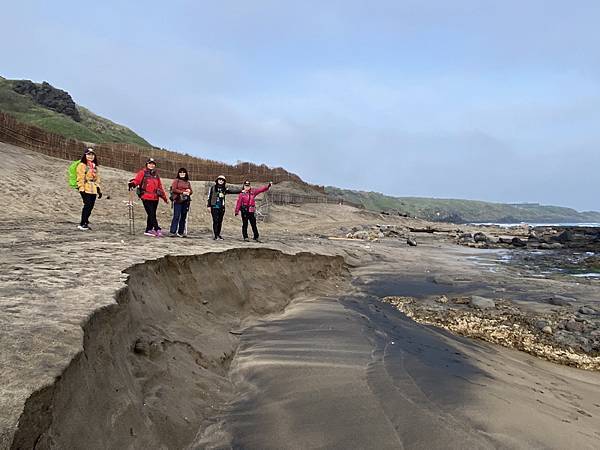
<point x="72" y="173"/>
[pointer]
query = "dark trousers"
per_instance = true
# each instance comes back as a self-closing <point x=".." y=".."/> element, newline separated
<point x="151" y="206"/>
<point x="249" y="217"/>
<point x="217" y="216"/>
<point x="180" y="212"/>
<point x="88" y="204"/>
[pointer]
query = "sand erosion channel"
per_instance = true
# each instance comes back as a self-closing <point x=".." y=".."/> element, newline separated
<point x="154" y="368"/>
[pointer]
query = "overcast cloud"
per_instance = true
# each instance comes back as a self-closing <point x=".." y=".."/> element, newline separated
<point x="469" y="99"/>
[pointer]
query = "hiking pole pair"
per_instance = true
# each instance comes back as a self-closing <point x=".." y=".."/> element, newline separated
<point x="130" y="213"/>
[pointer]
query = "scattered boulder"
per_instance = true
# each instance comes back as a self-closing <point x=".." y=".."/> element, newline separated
<point x="481" y="302"/>
<point x="518" y="242"/>
<point x="466" y="238"/>
<point x="552" y="246"/>
<point x="588" y="311"/>
<point x="480" y="237"/>
<point x="411" y="242"/>
<point x="361" y="235"/>
<point x="443" y="299"/>
<point x="547" y="329"/>
<point x="560" y="300"/>
<point x="574" y="326"/>
<point x="440" y="279"/>
<point x="564" y="237"/>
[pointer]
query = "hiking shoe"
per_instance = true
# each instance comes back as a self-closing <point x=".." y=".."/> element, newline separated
<point x="82" y="227"/>
<point x="171" y="234"/>
<point x="150" y="233"/>
<point x="181" y="235"/>
<point x="246" y="240"/>
<point x="159" y="233"/>
<point x="215" y="238"/>
<point x="255" y="239"/>
<point x="220" y="238"/>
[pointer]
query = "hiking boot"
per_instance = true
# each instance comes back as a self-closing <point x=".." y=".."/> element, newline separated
<point x="83" y="227"/>
<point x="150" y="233"/>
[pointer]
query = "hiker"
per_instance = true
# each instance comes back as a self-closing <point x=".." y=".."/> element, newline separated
<point x="150" y="189"/>
<point x="246" y="203"/>
<point x="88" y="184"/>
<point x="181" y="191"/>
<point x="216" y="203"/>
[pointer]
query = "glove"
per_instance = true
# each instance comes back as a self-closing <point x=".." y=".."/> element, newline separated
<point x="99" y="193"/>
<point x="131" y="185"/>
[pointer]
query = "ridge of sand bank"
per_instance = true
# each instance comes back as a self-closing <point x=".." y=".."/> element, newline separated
<point x="153" y="369"/>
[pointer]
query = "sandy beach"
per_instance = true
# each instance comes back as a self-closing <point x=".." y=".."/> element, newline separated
<point x="117" y="341"/>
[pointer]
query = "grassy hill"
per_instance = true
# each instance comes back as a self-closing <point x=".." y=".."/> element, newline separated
<point x="462" y="211"/>
<point x="91" y="128"/>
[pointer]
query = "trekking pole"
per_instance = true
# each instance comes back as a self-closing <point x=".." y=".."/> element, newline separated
<point x="187" y="217"/>
<point x="130" y="213"/>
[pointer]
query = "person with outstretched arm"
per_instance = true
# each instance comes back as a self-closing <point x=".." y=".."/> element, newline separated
<point x="88" y="184"/>
<point x="216" y="203"/>
<point x="150" y="190"/>
<point x="246" y="203"/>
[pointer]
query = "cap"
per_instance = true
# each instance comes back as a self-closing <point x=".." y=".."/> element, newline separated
<point x="151" y="160"/>
<point x="246" y="183"/>
<point x="89" y="150"/>
<point x="221" y="177"/>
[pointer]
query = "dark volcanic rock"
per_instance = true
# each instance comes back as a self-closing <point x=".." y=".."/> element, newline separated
<point x="517" y="242"/>
<point x="480" y="237"/>
<point x="564" y="237"/>
<point x="49" y="97"/>
<point x="560" y="300"/>
<point x="588" y="311"/>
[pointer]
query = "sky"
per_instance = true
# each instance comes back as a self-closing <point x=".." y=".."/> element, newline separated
<point x="473" y="99"/>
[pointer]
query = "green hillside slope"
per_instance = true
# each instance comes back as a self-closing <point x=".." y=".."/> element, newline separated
<point x="462" y="211"/>
<point x="91" y="128"/>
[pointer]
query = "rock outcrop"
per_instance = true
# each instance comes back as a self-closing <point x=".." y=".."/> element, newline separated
<point x="49" y="97"/>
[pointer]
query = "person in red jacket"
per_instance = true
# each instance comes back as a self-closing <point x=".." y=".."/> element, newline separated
<point x="150" y="191"/>
<point x="246" y="203"/>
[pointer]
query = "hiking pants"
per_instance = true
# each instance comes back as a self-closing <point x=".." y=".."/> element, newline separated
<point x="249" y="217"/>
<point x="180" y="211"/>
<point x="217" y="216"/>
<point x="88" y="204"/>
<point x="151" y="206"/>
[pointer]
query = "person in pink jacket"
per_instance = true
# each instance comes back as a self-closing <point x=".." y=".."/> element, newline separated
<point x="246" y="203"/>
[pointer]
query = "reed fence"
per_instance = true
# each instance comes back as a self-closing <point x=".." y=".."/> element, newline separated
<point x="131" y="157"/>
